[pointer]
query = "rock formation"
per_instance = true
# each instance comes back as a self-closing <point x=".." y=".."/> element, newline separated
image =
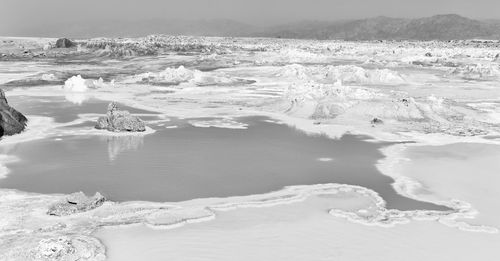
<point x="11" y="121"/>
<point x="76" y="203"/>
<point x="68" y="247"/>
<point x="64" y="43"/>
<point x="118" y="120"/>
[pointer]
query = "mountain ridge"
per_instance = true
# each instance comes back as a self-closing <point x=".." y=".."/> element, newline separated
<point x="438" y="27"/>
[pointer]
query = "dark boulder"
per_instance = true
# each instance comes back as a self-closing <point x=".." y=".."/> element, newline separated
<point x="11" y="121"/>
<point x="64" y="43"/>
<point x="376" y="121"/>
<point x="118" y="120"/>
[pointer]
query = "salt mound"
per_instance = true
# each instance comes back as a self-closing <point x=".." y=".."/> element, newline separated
<point x="79" y="84"/>
<point x="326" y="101"/>
<point x="171" y="76"/>
<point x="180" y="74"/>
<point x="49" y="77"/>
<point x="385" y="76"/>
<point x="351" y="74"/>
<point x="294" y="54"/>
<point x="176" y="76"/>
<point x="96" y="83"/>
<point x="344" y="74"/>
<point x="477" y="71"/>
<point x="420" y="60"/>
<point x="314" y="100"/>
<point x="296" y="71"/>
<point x="355" y="104"/>
<point x="219" y="123"/>
<point x="75" y="84"/>
<point x="317" y="91"/>
<point x="289" y="55"/>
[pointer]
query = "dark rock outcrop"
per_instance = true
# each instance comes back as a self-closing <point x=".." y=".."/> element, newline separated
<point x="118" y="120"/>
<point x="376" y="121"/>
<point x="76" y="203"/>
<point x="11" y="121"/>
<point x="64" y="43"/>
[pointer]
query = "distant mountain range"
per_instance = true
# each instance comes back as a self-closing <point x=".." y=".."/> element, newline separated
<point x="439" y="27"/>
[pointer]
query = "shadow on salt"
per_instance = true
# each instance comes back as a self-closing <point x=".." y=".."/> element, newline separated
<point x="190" y="162"/>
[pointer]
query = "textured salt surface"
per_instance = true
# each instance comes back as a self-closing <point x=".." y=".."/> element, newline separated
<point x="375" y="232"/>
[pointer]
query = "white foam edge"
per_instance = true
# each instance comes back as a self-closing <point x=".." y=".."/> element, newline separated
<point x="205" y="209"/>
<point x="223" y="123"/>
<point x="407" y="187"/>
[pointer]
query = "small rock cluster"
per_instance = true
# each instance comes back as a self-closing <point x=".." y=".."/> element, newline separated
<point x="117" y="120"/>
<point x="76" y="203"/>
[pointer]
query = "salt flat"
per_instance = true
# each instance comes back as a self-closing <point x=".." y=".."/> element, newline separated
<point x="434" y="104"/>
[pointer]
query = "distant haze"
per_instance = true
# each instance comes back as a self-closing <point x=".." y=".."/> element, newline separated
<point x="52" y="17"/>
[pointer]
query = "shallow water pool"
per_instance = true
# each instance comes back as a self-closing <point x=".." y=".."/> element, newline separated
<point x="187" y="162"/>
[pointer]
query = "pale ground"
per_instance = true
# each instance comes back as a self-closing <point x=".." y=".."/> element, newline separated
<point x="467" y="171"/>
<point x="299" y="231"/>
<point x="450" y="97"/>
<point x="305" y="231"/>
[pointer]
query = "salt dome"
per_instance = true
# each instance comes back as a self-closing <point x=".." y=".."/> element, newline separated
<point x="289" y="55"/>
<point x="356" y="75"/>
<point x="172" y="76"/>
<point x="477" y="71"/>
<point x="329" y="101"/>
<point x="49" y="77"/>
<point x="296" y="71"/>
<point x="180" y="75"/>
<point x="75" y="84"/>
<point x="79" y="84"/>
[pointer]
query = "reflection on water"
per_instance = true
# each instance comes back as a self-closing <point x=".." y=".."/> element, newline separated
<point x="120" y="144"/>
<point x="76" y="98"/>
<point x="177" y="164"/>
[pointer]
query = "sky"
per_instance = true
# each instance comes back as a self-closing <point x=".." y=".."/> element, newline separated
<point x="18" y="15"/>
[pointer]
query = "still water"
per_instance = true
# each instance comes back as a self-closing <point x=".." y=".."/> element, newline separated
<point x="187" y="162"/>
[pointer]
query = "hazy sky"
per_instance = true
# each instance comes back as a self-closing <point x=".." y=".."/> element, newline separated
<point x="20" y="14"/>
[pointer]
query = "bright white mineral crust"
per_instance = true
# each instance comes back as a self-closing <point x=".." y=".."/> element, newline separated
<point x="329" y="87"/>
